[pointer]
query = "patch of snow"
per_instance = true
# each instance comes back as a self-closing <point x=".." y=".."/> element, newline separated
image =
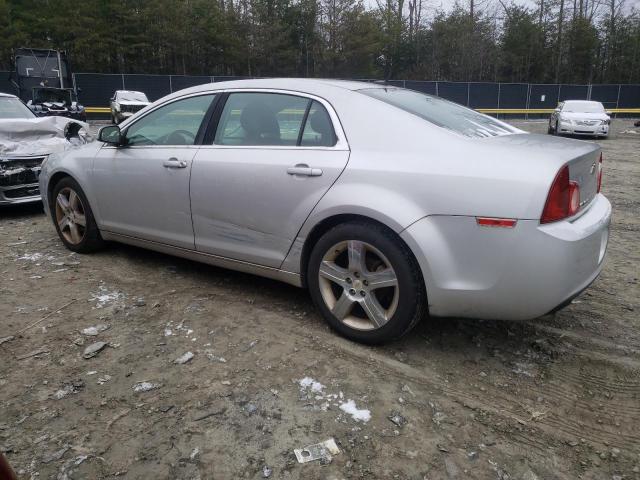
<point x="358" y="415"/>
<point x="32" y="257"/>
<point x="103" y="297"/>
<point x="309" y="383"/>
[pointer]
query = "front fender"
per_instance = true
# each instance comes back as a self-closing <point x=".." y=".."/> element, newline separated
<point x="76" y="163"/>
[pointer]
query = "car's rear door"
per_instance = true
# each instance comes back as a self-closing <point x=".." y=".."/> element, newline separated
<point x="142" y="188"/>
<point x="273" y="156"/>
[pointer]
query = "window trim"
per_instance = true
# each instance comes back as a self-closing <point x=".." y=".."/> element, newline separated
<point x="211" y="119"/>
<point x="341" y="142"/>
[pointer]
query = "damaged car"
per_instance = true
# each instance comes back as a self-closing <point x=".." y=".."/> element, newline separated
<point x="49" y="101"/>
<point x="25" y="142"/>
<point x="125" y="103"/>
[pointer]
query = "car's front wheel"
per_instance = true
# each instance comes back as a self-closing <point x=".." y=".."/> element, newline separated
<point x="366" y="283"/>
<point x="73" y="217"/>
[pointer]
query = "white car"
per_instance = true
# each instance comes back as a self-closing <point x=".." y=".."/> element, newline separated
<point x="385" y="203"/>
<point x="125" y="103"/>
<point x="580" y="117"/>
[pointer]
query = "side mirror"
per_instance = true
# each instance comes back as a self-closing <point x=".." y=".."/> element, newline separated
<point x="111" y="134"/>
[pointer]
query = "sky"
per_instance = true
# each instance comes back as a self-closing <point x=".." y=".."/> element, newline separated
<point x="446" y="5"/>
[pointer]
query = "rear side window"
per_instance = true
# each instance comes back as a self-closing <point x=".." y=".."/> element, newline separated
<point x="255" y="119"/>
<point x="441" y="112"/>
<point x="318" y="130"/>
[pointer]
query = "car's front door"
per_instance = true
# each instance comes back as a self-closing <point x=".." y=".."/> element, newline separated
<point x="273" y="157"/>
<point x="142" y="188"/>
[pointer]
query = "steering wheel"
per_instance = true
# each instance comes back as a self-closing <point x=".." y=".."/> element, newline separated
<point x="181" y="137"/>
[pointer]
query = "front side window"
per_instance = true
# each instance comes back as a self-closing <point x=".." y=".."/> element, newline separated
<point x="442" y="113"/>
<point x="176" y="123"/>
<point x="258" y="119"/>
<point x="11" y="107"/>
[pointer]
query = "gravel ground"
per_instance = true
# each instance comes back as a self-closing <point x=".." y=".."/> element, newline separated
<point x="558" y="397"/>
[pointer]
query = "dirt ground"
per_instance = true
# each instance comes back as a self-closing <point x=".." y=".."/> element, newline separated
<point x="555" y="398"/>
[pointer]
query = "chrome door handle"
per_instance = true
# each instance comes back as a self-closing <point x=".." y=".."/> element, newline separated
<point x="304" y="170"/>
<point x="173" y="162"/>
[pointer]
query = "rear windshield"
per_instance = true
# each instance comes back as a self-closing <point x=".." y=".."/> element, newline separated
<point x="441" y="112"/>
<point x="583" y="107"/>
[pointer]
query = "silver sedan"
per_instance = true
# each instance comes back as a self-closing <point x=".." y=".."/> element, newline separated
<point x="387" y="204"/>
<point x="580" y="117"/>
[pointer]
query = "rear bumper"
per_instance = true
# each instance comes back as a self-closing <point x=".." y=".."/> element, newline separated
<point x="512" y="274"/>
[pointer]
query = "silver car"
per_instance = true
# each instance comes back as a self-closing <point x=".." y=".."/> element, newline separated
<point x="387" y="204"/>
<point x="580" y="117"/>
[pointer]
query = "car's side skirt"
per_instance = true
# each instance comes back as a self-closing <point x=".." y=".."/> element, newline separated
<point x="215" y="260"/>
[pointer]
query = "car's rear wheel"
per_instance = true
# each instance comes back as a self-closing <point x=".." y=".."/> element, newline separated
<point x="366" y="283"/>
<point x="73" y="217"/>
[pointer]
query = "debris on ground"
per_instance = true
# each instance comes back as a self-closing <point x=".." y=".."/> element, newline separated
<point x="323" y="451"/>
<point x="266" y="472"/>
<point x="6" y="339"/>
<point x="34" y="353"/>
<point x="93" y="331"/>
<point x="69" y="389"/>
<point x="397" y="419"/>
<point x="93" y="350"/>
<point x="145" y="386"/>
<point x="182" y="359"/>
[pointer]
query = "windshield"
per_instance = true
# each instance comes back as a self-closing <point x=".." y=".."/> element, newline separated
<point x="13" y="108"/>
<point x="132" y="97"/>
<point x="583" y="107"/>
<point x="441" y="112"/>
<point x="56" y="95"/>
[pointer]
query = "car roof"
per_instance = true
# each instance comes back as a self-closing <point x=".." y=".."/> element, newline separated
<point x="315" y="86"/>
<point x="583" y="101"/>
<point x="7" y="95"/>
<point x="129" y="91"/>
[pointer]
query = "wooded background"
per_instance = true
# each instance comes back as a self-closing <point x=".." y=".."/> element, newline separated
<point x="555" y="41"/>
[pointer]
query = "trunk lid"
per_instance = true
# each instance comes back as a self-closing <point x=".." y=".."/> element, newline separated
<point x="581" y="156"/>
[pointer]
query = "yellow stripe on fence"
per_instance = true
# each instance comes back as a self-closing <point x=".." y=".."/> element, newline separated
<point x="481" y="110"/>
<point x="546" y="110"/>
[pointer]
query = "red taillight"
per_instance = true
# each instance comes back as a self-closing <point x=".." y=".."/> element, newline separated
<point x="496" y="222"/>
<point x="600" y="173"/>
<point x="563" y="200"/>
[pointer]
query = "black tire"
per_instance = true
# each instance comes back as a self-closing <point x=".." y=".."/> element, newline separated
<point x="556" y="131"/>
<point x="411" y="295"/>
<point x="550" y="129"/>
<point x="91" y="240"/>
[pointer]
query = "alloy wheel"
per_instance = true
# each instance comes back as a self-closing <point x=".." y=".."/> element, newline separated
<point x="70" y="216"/>
<point x="358" y="285"/>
